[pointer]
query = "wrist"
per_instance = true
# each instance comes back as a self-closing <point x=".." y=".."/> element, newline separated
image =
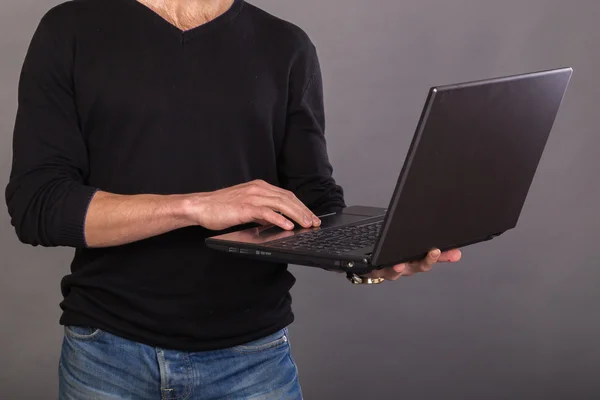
<point x="190" y="208"/>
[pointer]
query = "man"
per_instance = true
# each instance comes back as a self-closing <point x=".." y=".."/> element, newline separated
<point x="142" y="128"/>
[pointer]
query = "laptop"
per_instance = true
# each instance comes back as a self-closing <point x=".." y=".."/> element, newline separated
<point x="465" y="180"/>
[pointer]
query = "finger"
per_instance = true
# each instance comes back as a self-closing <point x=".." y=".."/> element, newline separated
<point x="433" y="256"/>
<point x="399" y="268"/>
<point x="260" y="188"/>
<point x="389" y="274"/>
<point x="291" y="199"/>
<point x="287" y="208"/>
<point x="395" y="272"/>
<point x="378" y="273"/>
<point x="453" y="255"/>
<point x="427" y="263"/>
<point x="290" y="196"/>
<point x="409" y="270"/>
<point x="264" y="214"/>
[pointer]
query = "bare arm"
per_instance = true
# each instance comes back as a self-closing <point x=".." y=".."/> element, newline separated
<point x="114" y="220"/>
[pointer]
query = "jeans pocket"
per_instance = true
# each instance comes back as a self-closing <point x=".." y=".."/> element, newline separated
<point x="82" y="332"/>
<point x="273" y="341"/>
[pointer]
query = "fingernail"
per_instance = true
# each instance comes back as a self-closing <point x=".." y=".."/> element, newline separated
<point x="289" y="225"/>
<point x="436" y="253"/>
<point x="316" y="221"/>
<point x="398" y="268"/>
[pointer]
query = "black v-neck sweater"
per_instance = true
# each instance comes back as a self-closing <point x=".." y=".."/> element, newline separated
<point x="112" y="97"/>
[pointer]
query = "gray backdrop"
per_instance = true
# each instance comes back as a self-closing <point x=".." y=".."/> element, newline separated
<point x="517" y="319"/>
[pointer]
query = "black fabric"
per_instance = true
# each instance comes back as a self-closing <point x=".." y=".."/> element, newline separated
<point x="112" y="97"/>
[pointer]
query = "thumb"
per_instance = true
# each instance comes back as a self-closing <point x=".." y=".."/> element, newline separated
<point x="434" y="255"/>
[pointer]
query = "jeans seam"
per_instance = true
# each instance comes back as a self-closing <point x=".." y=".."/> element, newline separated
<point x="88" y="338"/>
<point x="160" y="357"/>
<point x="279" y="342"/>
<point x="163" y="376"/>
<point x="296" y="372"/>
<point x="291" y="357"/>
<point x="189" y="383"/>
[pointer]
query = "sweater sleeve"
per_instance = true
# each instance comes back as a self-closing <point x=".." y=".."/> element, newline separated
<point x="46" y="195"/>
<point x="304" y="166"/>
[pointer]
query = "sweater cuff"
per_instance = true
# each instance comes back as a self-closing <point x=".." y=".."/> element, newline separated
<point x="75" y="207"/>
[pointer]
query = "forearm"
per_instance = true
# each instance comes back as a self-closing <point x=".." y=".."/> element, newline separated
<point x="114" y="220"/>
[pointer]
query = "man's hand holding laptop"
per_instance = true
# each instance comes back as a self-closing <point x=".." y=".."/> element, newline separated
<point x="411" y="268"/>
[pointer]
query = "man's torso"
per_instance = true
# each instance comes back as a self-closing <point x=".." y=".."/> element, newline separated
<point x="167" y="112"/>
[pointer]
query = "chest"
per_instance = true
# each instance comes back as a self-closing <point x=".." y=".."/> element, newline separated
<point x="149" y="99"/>
<point x="144" y="77"/>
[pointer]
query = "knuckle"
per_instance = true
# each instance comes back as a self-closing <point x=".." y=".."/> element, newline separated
<point x="280" y="203"/>
<point x="257" y="189"/>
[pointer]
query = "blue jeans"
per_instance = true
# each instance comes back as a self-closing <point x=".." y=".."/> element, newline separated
<point x="96" y="365"/>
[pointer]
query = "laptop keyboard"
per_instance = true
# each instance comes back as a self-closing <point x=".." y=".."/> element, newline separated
<point x="333" y="240"/>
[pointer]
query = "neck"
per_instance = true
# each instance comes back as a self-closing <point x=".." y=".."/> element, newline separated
<point x="188" y="14"/>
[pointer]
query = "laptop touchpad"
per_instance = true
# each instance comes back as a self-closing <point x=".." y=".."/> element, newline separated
<point x="339" y="219"/>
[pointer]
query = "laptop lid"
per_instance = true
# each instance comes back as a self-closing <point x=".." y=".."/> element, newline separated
<point x="471" y="163"/>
